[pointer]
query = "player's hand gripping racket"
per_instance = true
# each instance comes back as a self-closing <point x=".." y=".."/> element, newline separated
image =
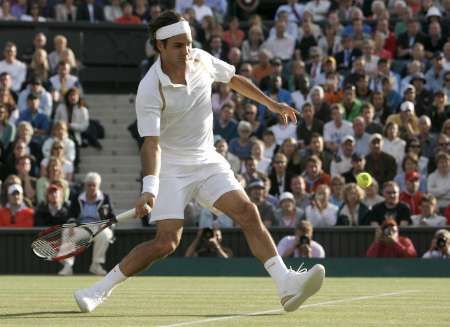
<point x="68" y="240"/>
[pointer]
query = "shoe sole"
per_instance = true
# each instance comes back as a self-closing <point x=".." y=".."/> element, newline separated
<point x="78" y="298"/>
<point x="310" y="287"/>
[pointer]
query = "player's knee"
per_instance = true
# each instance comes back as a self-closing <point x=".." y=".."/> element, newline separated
<point x="248" y="216"/>
<point x="165" y="246"/>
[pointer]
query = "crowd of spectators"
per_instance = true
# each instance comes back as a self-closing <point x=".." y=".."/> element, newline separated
<point x="370" y="80"/>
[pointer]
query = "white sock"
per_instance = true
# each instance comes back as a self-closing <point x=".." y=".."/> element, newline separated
<point x="111" y="280"/>
<point x="277" y="270"/>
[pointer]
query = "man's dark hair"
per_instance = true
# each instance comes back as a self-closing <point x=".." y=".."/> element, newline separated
<point x="166" y="18"/>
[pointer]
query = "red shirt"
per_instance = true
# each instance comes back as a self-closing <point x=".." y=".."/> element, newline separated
<point x="311" y="187"/>
<point x="404" y="248"/>
<point x="128" y="20"/>
<point x="23" y="218"/>
<point x="412" y="201"/>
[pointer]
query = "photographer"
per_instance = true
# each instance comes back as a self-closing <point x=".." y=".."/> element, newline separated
<point x="301" y="243"/>
<point x="388" y="243"/>
<point x="208" y="244"/>
<point x="440" y="246"/>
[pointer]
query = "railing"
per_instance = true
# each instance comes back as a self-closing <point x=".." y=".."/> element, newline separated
<point x="16" y="255"/>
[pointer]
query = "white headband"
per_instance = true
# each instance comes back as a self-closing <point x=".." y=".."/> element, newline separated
<point x="181" y="27"/>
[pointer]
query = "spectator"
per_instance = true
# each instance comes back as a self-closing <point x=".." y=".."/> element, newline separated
<point x="372" y="195"/>
<point x="39" y="66"/>
<point x="141" y="10"/>
<point x="57" y="151"/>
<point x="233" y="36"/>
<point x="251" y="173"/>
<point x="347" y="55"/>
<point x="393" y="144"/>
<point x="91" y="206"/>
<point x="53" y="175"/>
<point x="353" y="211"/>
<point x="217" y="48"/>
<point x="318" y="9"/>
<point x="282" y="45"/>
<point x="314" y="175"/>
<point x="335" y="130"/>
<point x="45" y="99"/>
<point x="410" y="164"/>
<point x="5" y="11"/>
<point x="289" y="148"/>
<point x="280" y="179"/>
<point x="390" y="208"/>
<point x="213" y="218"/>
<point x="15" y="68"/>
<point x="7" y="130"/>
<point x="435" y="75"/>
<point x="321" y="212"/>
<point x="424" y="98"/>
<point x="38" y="120"/>
<point x="361" y="136"/>
<point x="241" y="146"/>
<point x="252" y="45"/>
<point x="342" y="161"/>
<point x="263" y="67"/>
<point x="15" y="213"/>
<point x="298" y="189"/>
<point x="270" y="146"/>
<point x="411" y="196"/>
<point x="257" y="152"/>
<point x="66" y="12"/>
<point x="208" y="243"/>
<point x="372" y="127"/>
<point x="60" y="45"/>
<point x="19" y="8"/>
<point x="409" y="38"/>
<point x="336" y="186"/>
<point x="224" y="124"/>
<point x="256" y="193"/>
<point x="222" y="148"/>
<point x="406" y="120"/>
<point x="33" y="15"/>
<point x="90" y="11"/>
<point x="308" y="124"/>
<point x="60" y="133"/>
<point x="63" y="81"/>
<point x="128" y="17"/>
<point x="308" y="41"/>
<point x="316" y="148"/>
<point x="440" y="246"/>
<point x="426" y="138"/>
<point x="112" y="11"/>
<point x="19" y="149"/>
<point x="221" y="97"/>
<point x="74" y="113"/>
<point x="251" y="115"/>
<point x="288" y="214"/>
<point x="54" y="210"/>
<point x="428" y="213"/>
<point x="389" y="244"/>
<point x="439" y="110"/>
<point x="357" y="166"/>
<point x="23" y="171"/>
<point x="301" y="244"/>
<point x="439" y="180"/>
<point x="386" y="171"/>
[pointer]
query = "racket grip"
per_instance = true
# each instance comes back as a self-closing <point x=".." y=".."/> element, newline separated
<point x="127" y="215"/>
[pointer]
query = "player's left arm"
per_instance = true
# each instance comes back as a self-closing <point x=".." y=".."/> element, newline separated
<point x="246" y="87"/>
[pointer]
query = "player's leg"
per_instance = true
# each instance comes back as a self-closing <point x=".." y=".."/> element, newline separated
<point x="167" y="238"/>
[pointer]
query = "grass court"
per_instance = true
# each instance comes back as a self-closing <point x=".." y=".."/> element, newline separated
<point x="217" y="301"/>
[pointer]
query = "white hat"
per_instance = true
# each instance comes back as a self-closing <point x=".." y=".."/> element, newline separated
<point x="376" y="136"/>
<point x="15" y="188"/>
<point x="433" y="11"/>
<point x="348" y="137"/>
<point x="287" y="196"/>
<point x="244" y="125"/>
<point x="407" y="106"/>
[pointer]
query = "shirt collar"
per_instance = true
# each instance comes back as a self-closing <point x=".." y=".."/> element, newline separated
<point x="165" y="79"/>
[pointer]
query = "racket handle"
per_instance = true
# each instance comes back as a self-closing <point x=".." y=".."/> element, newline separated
<point x="126" y="215"/>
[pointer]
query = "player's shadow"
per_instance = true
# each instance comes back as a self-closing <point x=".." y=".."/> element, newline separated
<point x="36" y="313"/>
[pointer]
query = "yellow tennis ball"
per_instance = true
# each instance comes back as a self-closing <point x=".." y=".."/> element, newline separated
<point x="364" y="180"/>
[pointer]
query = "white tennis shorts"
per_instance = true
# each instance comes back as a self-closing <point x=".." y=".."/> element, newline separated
<point x="180" y="184"/>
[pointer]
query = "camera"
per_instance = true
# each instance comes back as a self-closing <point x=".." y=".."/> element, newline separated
<point x="388" y="231"/>
<point x="441" y="242"/>
<point x="304" y="240"/>
<point x="207" y="234"/>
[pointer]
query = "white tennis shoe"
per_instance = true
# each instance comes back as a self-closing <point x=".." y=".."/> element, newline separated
<point x="300" y="285"/>
<point x="88" y="299"/>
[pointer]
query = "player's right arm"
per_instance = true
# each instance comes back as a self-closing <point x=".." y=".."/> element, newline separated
<point x="148" y="113"/>
<point x="151" y="163"/>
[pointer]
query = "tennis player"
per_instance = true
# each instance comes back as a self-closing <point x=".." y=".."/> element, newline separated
<point x="179" y="161"/>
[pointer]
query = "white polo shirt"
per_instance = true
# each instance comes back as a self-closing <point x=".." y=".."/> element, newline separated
<point x="182" y="114"/>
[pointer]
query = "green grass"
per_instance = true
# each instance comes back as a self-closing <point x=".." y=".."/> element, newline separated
<point x="157" y="301"/>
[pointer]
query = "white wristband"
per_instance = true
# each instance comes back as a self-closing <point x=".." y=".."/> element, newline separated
<point x="150" y="184"/>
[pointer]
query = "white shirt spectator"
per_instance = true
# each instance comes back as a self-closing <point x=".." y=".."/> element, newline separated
<point x="342" y="166"/>
<point x="263" y="165"/>
<point x="69" y="148"/>
<point x="287" y="242"/>
<point x="319" y="9"/>
<point x="67" y="166"/>
<point x="294" y="17"/>
<point x="395" y="148"/>
<point x="283" y="132"/>
<point x="325" y="218"/>
<point x="72" y="81"/>
<point x="434" y="254"/>
<point x="439" y="186"/>
<point x="281" y="47"/>
<point x="18" y="72"/>
<point x="362" y="144"/>
<point x="299" y="99"/>
<point x="433" y="221"/>
<point x="202" y="11"/>
<point x="80" y="119"/>
<point x="333" y="134"/>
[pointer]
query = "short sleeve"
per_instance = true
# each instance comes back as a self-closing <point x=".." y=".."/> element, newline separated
<point x="219" y="69"/>
<point x="148" y="110"/>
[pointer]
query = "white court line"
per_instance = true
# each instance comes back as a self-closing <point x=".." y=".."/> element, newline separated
<point x="352" y="299"/>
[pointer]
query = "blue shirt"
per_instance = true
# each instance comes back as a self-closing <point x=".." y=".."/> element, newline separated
<point x="238" y="150"/>
<point x="89" y="213"/>
<point x="228" y="132"/>
<point x="282" y="96"/>
<point x="37" y="120"/>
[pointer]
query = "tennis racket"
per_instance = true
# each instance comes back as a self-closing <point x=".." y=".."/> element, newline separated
<point x="64" y="241"/>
